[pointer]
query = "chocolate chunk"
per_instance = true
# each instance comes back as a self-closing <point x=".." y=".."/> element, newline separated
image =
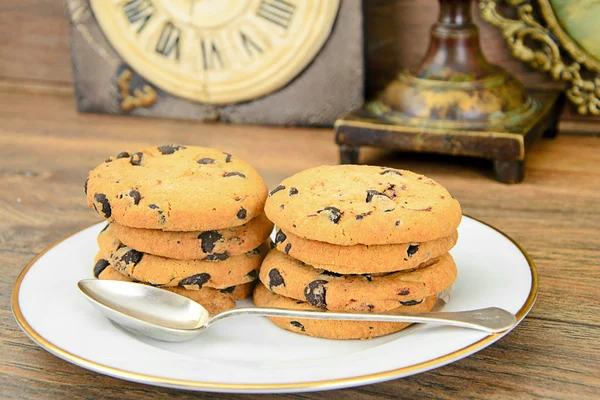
<point x="403" y="292"/>
<point x="85" y="185"/>
<point x="389" y="209"/>
<point x="105" y="228"/>
<point x="132" y="257"/>
<point x="135" y="195"/>
<point x="228" y="174"/>
<point x="136" y="158"/>
<point x="198" y="279"/>
<point x="298" y="325"/>
<point x="282" y="206"/>
<point x="391" y="171"/>
<point x="153" y="206"/>
<point x="397" y="223"/>
<point x="315" y="293"/>
<point x="411" y="302"/>
<point x="368" y="277"/>
<point x="280" y="237"/>
<point x="101" y="198"/>
<point x="100" y="266"/>
<point x="228" y="157"/>
<point x="229" y="289"/>
<point x="412" y="249"/>
<point x="254" y="252"/>
<point x="275" y="278"/>
<point x="293" y="191"/>
<point x="169" y="148"/>
<point x="109" y="159"/>
<point x="206" y="161"/>
<point x="252" y="275"/>
<point x="361" y="216"/>
<point x="371" y="307"/>
<point x="123" y="154"/>
<point x="371" y="193"/>
<point x="242" y="214"/>
<point x="390" y="193"/>
<point x="288" y="247"/>
<point x="330" y="273"/>
<point x="217" y="257"/>
<point x="208" y="240"/>
<point x="277" y="189"/>
<point x="334" y="214"/>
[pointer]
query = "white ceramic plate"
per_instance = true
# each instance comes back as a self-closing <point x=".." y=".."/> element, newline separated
<point x="250" y="354"/>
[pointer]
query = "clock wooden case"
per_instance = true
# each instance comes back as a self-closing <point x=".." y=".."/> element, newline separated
<point x="293" y="62"/>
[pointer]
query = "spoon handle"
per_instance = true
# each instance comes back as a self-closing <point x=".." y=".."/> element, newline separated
<point x="490" y="320"/>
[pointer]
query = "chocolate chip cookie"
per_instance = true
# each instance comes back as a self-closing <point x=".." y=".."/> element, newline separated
<point x="196" y="245"/>
<point x="217" y="272"/>
<point x="332" y="329"/>
<point x="359" y="204"/>
<point x="213" y="300"/>
<point x="176" y="188"/>
<point x="292" y="278"/>
<point x="361" y="259"/>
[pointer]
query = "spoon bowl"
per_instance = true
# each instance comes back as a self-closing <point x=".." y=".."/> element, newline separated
<point x="167" y="316"/>
<point x="151" y="311"/>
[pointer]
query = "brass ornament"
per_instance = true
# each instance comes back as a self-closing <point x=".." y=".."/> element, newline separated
<point x="578" y="68"/>
<point x="140" y="98"/>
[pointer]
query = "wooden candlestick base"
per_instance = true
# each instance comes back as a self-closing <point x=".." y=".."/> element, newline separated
<point x="456" y="103"/>
<point x="507" y="148"/>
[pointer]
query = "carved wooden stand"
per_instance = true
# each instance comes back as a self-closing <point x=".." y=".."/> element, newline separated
<point x="454" y="103"/>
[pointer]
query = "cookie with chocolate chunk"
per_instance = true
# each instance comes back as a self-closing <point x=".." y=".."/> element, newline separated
<point x="176" y="188"/>
<point x="196" y="245"/>
<point x="332" y="329"/>
<point x="292" y="278"/>
<point x="359" y="204"/>
<point x="361" y="259"/>
<point x="218" y="272"/>
<point x="213" y="300"/>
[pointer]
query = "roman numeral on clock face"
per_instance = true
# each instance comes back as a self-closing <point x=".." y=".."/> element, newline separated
<point x="139" y="11"/>
<point x="211" y="57"/>
<point x="278" y="12"/>
<point x="250" y="46"/>
<point x="168" y="42"/>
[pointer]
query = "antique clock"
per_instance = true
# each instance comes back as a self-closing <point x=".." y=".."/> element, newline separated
<point x="256" y="61"/>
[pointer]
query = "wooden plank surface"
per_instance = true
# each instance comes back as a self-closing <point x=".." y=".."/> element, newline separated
<point x="35" y="46"/>
<point x="46" y="149"/>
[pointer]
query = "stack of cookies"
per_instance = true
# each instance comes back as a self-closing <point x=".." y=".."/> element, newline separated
<point x="357" y="239"/>
<point x="186" y="219"/>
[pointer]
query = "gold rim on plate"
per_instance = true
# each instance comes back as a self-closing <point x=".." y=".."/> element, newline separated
<point x="236" y="387"/>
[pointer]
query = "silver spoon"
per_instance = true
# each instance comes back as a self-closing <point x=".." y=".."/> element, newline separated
<point x="167" y="316"/>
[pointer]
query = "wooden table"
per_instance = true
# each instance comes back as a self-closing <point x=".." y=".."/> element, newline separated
<point x="46" y="150"/>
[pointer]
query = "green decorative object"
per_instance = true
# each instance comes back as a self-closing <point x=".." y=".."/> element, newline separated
<point x="559" y="37"/>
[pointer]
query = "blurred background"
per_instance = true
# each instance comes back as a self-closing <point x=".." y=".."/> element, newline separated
<point x="35" y="48"/>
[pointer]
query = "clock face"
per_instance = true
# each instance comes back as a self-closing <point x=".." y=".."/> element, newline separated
<point x="217" y="51"/>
